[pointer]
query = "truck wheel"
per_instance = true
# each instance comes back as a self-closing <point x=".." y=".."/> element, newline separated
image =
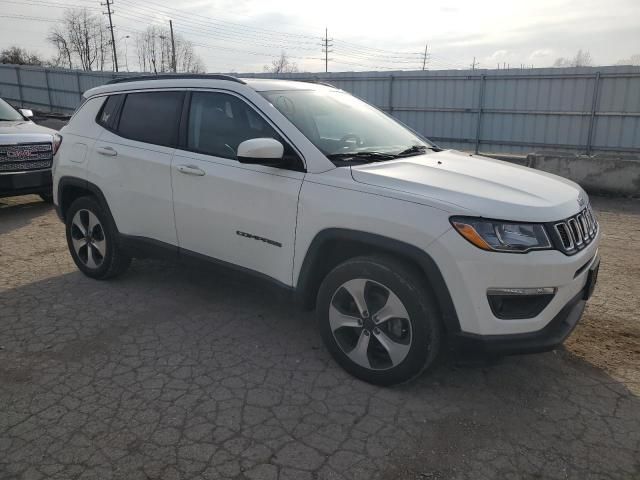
<point x="92" y="240"/>
<point x="46" y="197"/>
<point x="379" y="320"/>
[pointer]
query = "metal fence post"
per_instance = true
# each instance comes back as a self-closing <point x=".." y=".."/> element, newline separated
<point x="19" y="80"/>
<point x="79" y="88"/>
<point x="391" y="94"/>
<point x="479" y="117"/>
<point x="594" y="106"/>
<point x="46" y="81"/>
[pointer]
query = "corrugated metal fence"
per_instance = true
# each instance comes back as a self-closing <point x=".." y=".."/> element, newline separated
<point x="588" y="110"/>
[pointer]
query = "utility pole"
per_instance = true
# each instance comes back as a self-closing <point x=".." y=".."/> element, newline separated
<point x="474" y="64"/>
<point x="325" y="48"/>
<point x="173" y="48"/>
<point x="108" y="4"/>
<point x="425" y="57"/>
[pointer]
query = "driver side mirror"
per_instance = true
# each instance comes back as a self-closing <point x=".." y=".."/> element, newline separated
<point x="261" y="151"/>
<point x="26" y="113"/>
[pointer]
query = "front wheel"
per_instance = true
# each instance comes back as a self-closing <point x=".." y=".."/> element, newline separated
<point x="92" y="240"/>
<point x="378" y="319"/>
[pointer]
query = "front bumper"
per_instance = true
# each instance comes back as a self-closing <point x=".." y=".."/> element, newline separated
<point x="543" y="340"/>
<point x="24" y="183"/>
<point x="470" y="273"/>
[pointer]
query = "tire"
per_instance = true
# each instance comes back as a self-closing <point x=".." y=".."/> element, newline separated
<point x="46" y="197"/>
<point x="92" y="238"/>
<point x="389" y="290"/>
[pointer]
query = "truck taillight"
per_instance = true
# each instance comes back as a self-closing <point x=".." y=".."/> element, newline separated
<point x="57" y="141"/>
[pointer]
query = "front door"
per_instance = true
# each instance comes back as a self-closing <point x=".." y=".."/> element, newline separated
<point x="237" y="213"/>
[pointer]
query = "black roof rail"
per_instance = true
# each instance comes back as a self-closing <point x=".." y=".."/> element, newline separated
<point x="176" y="76"/>
<point x="316" y="81"/>
<point x="326" y="84"/>
<point x="304" y="80"/>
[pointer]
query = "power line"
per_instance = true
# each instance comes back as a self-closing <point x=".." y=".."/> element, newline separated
<point x="234" y="33"/>
<point x="198" y="31"/>
<point x="157" y="8"/>
<point x="241" y="30"/>
<point x="51" y="4"/>
<point x="343" y="52"/>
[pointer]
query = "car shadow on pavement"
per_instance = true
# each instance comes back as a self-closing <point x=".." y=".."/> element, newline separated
<point x="184" y="372"/>
<point x="14" y="214"/>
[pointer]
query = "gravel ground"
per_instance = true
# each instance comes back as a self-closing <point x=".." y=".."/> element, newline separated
<point x="171" y="372"/>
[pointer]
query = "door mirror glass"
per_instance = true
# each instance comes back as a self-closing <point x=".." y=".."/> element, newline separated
<point x="261" y="151"/>
<point x="26" y="113"/>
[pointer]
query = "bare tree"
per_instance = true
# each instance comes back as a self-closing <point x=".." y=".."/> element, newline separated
<point x="153" y="48"/>
<point x="19" y="56"/>
<point x="581" y="59"/>
<point x="59" y="40"/>
<point x="633" y="60"/>
<point x="281" y="64"/>
<point x="81" y="38"/>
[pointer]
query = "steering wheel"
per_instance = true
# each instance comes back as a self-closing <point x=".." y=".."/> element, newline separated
<point x="351" y="138"/>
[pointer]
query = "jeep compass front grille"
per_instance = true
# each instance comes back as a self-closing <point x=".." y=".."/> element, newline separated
<point x="25" y="156"/>
<point x="576" y="232"/>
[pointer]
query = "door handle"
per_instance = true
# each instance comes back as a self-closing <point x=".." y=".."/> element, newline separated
<point x="108" y="151"/>
<point x="190" y="170"/>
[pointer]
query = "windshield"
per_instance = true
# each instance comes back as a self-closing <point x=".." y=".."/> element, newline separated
<point x="340" y="125"/>
<point x="7" y="112"/>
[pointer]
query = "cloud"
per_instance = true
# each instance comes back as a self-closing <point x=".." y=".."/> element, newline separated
<point x="498" y="55"/>
<point x="541" y="53"/>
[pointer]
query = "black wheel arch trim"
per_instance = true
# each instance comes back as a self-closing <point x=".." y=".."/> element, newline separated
<point x="66" y="182"/>
<point x="428" y="266"/>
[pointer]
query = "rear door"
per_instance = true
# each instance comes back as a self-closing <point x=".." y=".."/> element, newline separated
<point x="237" y="213"/>
<point x="131" y="161"/>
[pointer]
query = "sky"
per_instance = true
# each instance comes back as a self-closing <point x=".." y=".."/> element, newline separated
<point x="245" y="35"/>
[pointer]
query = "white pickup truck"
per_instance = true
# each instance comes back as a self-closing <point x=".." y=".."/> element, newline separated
<point x="26" y="153"/>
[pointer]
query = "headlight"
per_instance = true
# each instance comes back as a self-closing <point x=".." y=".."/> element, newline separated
<point x="501" y="236"/>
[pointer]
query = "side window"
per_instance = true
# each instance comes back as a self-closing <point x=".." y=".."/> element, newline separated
<point x="151" y="117"/>
<point x="219" y="122"/>
<point x="109" y="110"/>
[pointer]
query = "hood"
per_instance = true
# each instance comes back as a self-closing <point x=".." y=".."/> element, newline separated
<point x="484" y="186"/>
<point x="23" y="126"/>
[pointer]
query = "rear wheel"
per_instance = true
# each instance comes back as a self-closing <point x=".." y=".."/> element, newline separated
<point x="378" y="320"/>
<point x="92" y="240"/>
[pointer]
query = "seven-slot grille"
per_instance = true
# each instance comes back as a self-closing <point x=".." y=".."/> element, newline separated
<point x="577" y="232"/>
<point x="25" y="156"/>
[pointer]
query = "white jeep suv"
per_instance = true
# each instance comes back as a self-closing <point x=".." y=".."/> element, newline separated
<point x="401" y="247"/>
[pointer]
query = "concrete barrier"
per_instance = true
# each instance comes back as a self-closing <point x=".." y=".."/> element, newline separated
<point x="599" y="174"/>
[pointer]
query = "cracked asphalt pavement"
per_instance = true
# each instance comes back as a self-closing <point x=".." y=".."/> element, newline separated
<point x="175" y="372"/>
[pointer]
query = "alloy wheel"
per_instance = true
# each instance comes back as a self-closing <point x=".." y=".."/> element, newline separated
<point x="88" y="238"/>
<point x="370" y="324"/>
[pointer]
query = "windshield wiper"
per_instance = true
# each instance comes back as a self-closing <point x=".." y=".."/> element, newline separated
<point x="416" y="150"/>
<point x="373" y="156"/>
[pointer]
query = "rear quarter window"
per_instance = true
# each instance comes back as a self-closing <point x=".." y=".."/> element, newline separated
<point x="108" y="113"/>
<point x="151" y="117"/>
